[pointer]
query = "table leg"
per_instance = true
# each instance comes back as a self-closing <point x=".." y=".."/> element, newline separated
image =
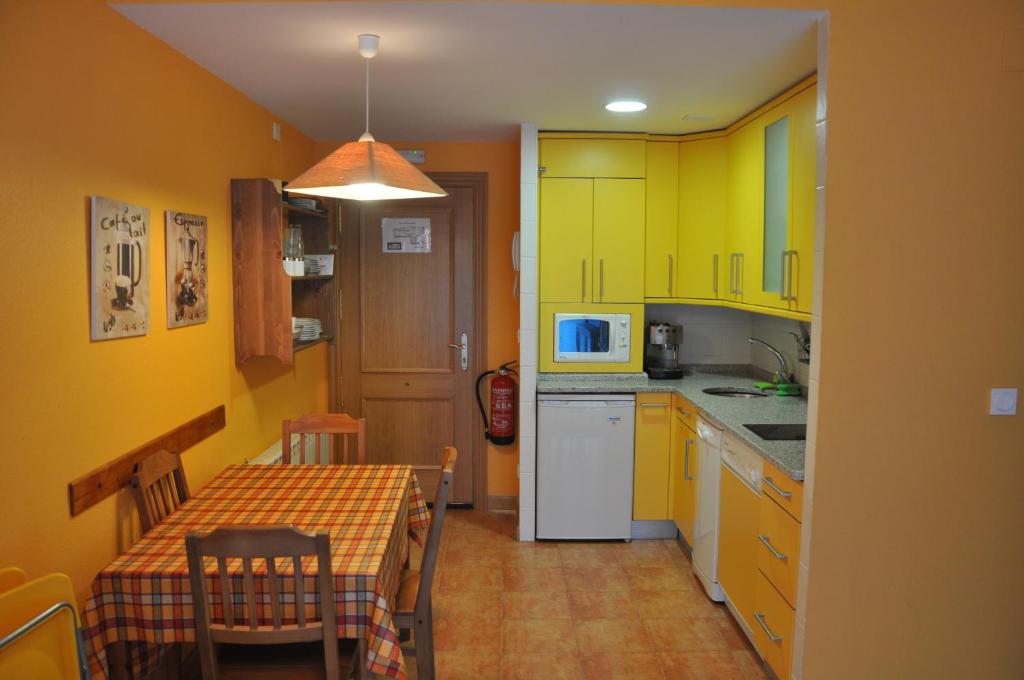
<point x="362" y="670"/>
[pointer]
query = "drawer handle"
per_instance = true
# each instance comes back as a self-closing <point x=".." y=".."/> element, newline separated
<point x="764" y="626"/>
<point x="652" y="405"/>
<point x="771" y="485"/>
<point x="687" y="477"/>
<point x="680" y="409"/>
<point x="768" y="544"/>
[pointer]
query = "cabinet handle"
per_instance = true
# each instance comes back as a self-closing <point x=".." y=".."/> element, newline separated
<point x="739" y="273"/>
<point x="768" y="544"/>
<point x="686" y="461"/>
<point x="680" y="409"/>
<point x="764" y="626"/>
<point x="714" y="274"/>
<point x="789" y="280"/>
<point x="732" y="270"/>
<point x="782" y="273"/>
<point x="670" y="276"/>
<point x="583" y="280"/>
<point x="652" y="405"/>
<point x="771" y="485"/>
<point x="600" y="264"/>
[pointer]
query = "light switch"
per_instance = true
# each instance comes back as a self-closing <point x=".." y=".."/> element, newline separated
<point x="1003" y="402"/>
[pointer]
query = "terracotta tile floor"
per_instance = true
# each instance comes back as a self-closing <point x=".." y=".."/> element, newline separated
<point x="505" y="610"/>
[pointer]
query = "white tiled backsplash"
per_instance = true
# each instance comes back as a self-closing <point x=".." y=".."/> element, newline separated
<point x="718" y="335"/>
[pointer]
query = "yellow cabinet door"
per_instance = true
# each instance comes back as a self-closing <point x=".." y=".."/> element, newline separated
<point x="745" y="215"/>
<point x="684" y="503"/>
<point x="593" y="157"/>
<point x="773" y="625"/>
<point x="702" y="271"/>
<point x="778" y="550"/>
<point x="799" y="272"/>
<point x="651" y="455"/>
<point x="737" y="543"/>
<point x="660" y="263"/>
<point x="618" y="212"/>
<point x="566" y="240"/>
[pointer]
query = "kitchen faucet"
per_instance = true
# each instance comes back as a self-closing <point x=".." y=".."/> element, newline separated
<point x="782" y="376"/>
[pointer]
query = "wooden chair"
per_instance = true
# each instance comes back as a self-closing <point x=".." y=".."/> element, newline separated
<point x="299" y="657"/>
<point x="159" y="486"/>
<point x="414" y="609"/>
<point x="341" y="424"/>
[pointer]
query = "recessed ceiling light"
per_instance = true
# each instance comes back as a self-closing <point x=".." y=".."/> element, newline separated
<point x="626" y="106"/>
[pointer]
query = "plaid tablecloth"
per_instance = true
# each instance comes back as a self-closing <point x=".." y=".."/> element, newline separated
<point x="144" y="599"/>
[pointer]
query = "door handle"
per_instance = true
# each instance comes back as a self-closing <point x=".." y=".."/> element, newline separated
<point x="463" y="350"/>
<point x="782" y="273"/>
<point x="714" y="274"/>
<point x="670" y="276"/>
<point x="583" y="280"/>
<point x="764" y="626"/>
<point x="768" y="544"/>
<point x="601" y="277"/>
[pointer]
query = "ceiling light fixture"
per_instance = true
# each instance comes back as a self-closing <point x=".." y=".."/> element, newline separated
<point x="365" y="170"/>
<point x="626" y="106"/>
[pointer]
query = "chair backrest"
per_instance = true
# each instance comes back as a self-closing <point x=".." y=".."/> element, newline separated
<point x="159" y="486"/>
<point x="244" y="627"/>
<point x="341" y="424"/>
<point x="429" y="563"/>
<point x="39" y="634"/>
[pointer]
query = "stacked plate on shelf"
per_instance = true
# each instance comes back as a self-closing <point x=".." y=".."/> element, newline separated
<point x="306" y="330"/>
<point x="312" y="266"/>
<point x="309" y="203"/>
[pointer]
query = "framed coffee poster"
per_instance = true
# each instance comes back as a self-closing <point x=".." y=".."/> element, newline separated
<point x="119" y="269"/>
<point x="186" y="269"/>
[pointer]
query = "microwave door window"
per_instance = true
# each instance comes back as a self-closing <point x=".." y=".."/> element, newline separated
<point x="584" y="336"/>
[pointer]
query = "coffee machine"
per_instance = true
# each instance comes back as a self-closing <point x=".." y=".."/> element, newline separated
<point x="661" y="355"/>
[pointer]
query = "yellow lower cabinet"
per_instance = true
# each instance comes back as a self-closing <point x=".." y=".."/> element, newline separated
<point x="788" y="493"/>
<point x="684" y="477"/>
<point x="737" y="543"/>
<point x="651" y="455"/>
<point x="773" y="627"/>
<point x="778" y="549"/>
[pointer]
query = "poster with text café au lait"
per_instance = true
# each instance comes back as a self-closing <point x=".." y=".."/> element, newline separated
<point x="119" y="273"/>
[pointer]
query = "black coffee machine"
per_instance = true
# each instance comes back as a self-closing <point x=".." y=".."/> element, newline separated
<point x="661" y="354"/>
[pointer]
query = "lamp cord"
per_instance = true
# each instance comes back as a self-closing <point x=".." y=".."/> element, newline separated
<point x="367" y="96"/>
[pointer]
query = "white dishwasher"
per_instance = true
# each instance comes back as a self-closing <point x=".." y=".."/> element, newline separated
<point x="585" y="465"/>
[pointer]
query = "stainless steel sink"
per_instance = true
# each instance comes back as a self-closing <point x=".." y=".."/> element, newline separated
<point x="742" y="392"/>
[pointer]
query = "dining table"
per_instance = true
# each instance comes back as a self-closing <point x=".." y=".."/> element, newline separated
<point x="142" y="601"/>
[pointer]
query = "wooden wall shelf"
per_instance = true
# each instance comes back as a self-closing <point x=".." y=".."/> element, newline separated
<point x="265" y="298"/>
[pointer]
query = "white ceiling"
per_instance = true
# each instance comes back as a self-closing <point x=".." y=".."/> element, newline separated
<point x="474" y="71"/>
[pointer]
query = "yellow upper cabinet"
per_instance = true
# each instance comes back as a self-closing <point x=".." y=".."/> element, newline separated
<point x="593" y="158"/>
<point x="618" y="240"/>
<point x="702" y="269"/>
<point x="566" y="239"/>
<point x="745" y="214"/>
<point x="800" y="262"/>
<point x="661" y="264"/>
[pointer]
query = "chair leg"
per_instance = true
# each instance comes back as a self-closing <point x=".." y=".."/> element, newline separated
<point x="424" y="628"/>
<point x="361" y="661"/>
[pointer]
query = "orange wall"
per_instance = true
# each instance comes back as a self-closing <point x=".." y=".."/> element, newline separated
<point x="94" y="105"/>
<point x="500" y="160"/>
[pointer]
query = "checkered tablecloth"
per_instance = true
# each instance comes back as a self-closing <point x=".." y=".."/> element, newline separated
<point x="144" y="599"/>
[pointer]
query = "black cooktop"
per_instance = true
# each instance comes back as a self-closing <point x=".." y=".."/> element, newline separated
<point x="779" y="432"/>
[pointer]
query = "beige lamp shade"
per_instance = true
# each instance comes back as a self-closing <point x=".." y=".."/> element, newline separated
<point x="365" y="171"/>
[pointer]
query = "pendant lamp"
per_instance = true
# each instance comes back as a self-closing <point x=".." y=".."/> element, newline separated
<point x="365" y="170"/>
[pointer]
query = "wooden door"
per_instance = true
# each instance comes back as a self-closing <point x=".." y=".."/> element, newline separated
<point x="401" y="311"/>
<point x="566" y="239"/>
<point x="619" y="240"/>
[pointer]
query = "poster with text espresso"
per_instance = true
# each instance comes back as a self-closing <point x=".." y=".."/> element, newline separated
<point x="186" y="269"/>
<point x="120" y="269"/>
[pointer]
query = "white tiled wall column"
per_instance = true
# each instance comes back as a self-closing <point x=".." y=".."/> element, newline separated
<point x="800" y="631"/>
<point x="528" y="333"/>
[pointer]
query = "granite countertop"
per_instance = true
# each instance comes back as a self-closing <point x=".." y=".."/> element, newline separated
<point x="729" y="412"/>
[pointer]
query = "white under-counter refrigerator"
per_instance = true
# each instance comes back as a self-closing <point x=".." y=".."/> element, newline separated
<point x="585" y="465"/>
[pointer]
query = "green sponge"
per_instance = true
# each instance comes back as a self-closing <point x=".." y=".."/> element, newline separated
<point x="762" y="385"/>
<point x="787" y="390"/>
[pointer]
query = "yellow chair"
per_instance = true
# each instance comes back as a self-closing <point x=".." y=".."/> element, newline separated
<point x="11" y="577"/>
<point x="39" y="636"/>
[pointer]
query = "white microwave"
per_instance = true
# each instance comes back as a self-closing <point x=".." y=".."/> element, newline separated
<point x="597" y="338"/>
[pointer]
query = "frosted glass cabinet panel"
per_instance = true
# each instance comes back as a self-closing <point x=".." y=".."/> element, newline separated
<point x="776" y="202"/>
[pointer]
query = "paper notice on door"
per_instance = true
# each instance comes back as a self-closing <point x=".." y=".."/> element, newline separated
<point x="406" y="234"/>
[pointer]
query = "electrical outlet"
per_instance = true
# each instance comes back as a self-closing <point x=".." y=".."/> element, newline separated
<point x="1003" y="401"/>
<point x="275" y="131"/>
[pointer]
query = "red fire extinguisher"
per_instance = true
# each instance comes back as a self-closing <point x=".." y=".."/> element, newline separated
<point x="502" y="426"/>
